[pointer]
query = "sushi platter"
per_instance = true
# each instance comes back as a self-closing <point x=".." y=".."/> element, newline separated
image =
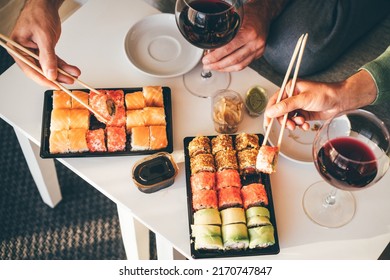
<point x="139" y="123"/>
<point x="230" y="206"/>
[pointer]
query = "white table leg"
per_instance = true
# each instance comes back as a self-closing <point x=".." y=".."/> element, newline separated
<point x="135" y="235"/>
<point x="43" y="171"/>
<point x="165" y="250"/>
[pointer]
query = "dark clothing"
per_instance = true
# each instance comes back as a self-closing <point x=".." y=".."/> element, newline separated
<point x="332" y="25"/>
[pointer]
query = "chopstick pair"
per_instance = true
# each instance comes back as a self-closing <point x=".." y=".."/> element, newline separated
<point x="3" y="42"/>
<point x="298" y="51"/>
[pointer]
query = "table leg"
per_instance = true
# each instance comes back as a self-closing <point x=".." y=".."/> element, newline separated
<point x="43" y="171"/>
<point x="135" y="235"/>
<point x="165" y="249"/>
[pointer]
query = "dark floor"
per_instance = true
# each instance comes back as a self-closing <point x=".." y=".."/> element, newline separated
<point x="85" y="224"/>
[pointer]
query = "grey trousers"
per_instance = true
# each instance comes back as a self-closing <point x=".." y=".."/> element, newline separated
<point x="332" y="25"/>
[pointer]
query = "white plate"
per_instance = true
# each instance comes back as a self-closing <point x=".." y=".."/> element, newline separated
<point x="155" y="46"/>
<point x="296" y="145"/>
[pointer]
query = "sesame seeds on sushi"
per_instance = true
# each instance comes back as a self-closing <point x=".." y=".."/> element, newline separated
<point x="246" y="141"/>
<point x="226" y="159"/>
<point x="247" y="161"/>
<point x="202" y="162"/>
<point x="199" y="145"/>
<point x="221" y="142"/>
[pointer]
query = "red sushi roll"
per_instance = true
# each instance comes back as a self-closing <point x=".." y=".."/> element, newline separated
<point x="228" y="178"/>
<point x="229" y="197"/>
<point x="204" y="199"/>
<point x="96" y="140"/>
<point x="202" y="180"/>
<point x="118" y="118"/>
<point x="116" y="138"/>
<point x="254" y="195"/>
<point x="118" y="96"/>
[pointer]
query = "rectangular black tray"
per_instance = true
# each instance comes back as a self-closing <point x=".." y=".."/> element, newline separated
<point x="94" y="124"/>
<point x="262" y="178"/>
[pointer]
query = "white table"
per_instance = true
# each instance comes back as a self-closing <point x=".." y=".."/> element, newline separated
<point x="93" y="39"/>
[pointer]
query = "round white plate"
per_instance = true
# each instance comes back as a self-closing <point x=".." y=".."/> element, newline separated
<point x="296" y="145"/>
<point x="155" y="46"/>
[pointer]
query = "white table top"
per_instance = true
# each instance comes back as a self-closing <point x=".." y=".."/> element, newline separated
<point x="93" y="39"/>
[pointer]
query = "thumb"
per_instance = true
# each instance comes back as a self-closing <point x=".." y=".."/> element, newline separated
<point x="284" y="106"/>
<point x="48" y="61"/>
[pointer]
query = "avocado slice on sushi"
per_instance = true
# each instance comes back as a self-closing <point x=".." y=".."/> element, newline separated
<point x="209" y="216"/>
<point x="233" y="215"/>
<point x="257" y="211"/>
<point x="261" y="237"/>
<point x="256" y="221"/>
<point x="205" y="230"/>
<point x="235" y="236"/>
<point x="208" y="243"/>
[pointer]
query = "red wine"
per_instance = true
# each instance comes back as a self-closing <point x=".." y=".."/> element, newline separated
<point x="209" y="24"/>
<point x="334" y="163"/>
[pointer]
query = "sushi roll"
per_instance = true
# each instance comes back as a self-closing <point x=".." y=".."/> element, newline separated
<point x="134" y="118"/>
<point x="158" y="137"/>
<point x="202" y="180"/>
<point x="140" y="138"/>
<point x="207" y="237"/>
<point x="79" y="118"/>
<point x="61" y="100"/>
<point x="256" y="221"/>
<point x="96" y="140"/>
<point x="210" y="216"/>
<point x="154" y="116"/>
<point x="116" y="138"/>
<point x="233" y="215"/>
<point x="267" y="159"/>
<point x="261" y="237"/>
<point x="153" y="96"/>
<point x="254" y="195"/>
<point x="247" y="161"/>
<point x="59" y="142"/>
<point x="228" y="178"/>
<point x="221" y="142"/>
<point x="257" y="211"/>
<point x="118" y="96"/>
<point x="204" y="199"/>
<point x="199" y="145"/>
<point x="81" y="95"/>
<point x="78" y="140"/>
<point x="202" y="162"/>
<point x="60" y="119"/>
<point x="99" y="102"/>
<point x="229" y="197"/>
<point x="226" y="159"/>
<point x="246" y="141"/>
<point x="235" y="236"/>
<point x="135" y="100"/>
<point x="118" y="118"/>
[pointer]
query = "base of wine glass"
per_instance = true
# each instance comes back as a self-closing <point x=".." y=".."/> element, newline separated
<point x="205" y="87"/>
<point x="331" y="215"/>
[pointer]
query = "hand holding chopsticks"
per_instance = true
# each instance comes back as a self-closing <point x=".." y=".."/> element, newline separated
<point x="3" y="42"/>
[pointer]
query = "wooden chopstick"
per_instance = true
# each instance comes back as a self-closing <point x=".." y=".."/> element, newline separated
<point x="285" y="80"/>
<point x="293" y="82"/>
<point x="39" y="70"/>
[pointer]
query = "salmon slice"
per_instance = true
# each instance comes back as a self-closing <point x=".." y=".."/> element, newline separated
<point x="153" y="96"/>
<point x="140" y="138"/>
<point x="79" y="118"/>
<point x="158" y="137"/>
<point x="135" y="100"/>
<point x="78" y="140"/>
<point x="59" y="142"/>
<point x="154" y="116"/>
<point x="61" y="100"/>
<point x="83" y="96"/>
<point x="134" y="118"/>
<point x="60" y="119"/>
<point x="98" y="102"/>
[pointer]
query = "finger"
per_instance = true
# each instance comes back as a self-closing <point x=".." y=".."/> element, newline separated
<point x="70" y="69"/>
<point x="47" y="56"/>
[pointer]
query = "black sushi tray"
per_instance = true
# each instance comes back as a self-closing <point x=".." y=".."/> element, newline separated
<point x="258" y="178"/>
<point x="95" y="124"/>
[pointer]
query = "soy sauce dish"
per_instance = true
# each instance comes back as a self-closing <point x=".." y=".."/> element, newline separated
<point x="154" y="172"/>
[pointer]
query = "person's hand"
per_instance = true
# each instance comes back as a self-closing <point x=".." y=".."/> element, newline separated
<point x="38" y="28"/>
<point x="248" y="44"/>
<point x="321" y="101"/>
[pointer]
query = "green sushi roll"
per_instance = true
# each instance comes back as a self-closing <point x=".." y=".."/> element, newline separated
<point x="233" y="215"/>
<point x="207" y="237"/>
<point x="208" y="216"/>
<point x="205" y="230"/>
<point x="256" y="221"/>
<point x="235" y="236"/>
<point x="261" y="237"/>
<point x="257" y="211"/>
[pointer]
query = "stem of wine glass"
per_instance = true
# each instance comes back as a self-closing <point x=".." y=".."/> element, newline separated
<point x="331" y="198"/>
<point x="206" y="74"/>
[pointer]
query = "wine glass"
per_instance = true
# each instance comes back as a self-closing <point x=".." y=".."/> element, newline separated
<point x="351" y="152"/>
<point x="208" y="24"/>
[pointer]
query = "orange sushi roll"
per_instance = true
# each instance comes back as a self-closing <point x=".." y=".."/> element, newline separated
<point x="134" y="118"/>
<point x="229" y="197"/>
<point x="83" y="96"/>
<point x="154" y="116"/>
<point x="78" y="140"/>
<point x="158" y="137"/>
<point x="204" y="199"/>
<point x="202" y="180"/>
<point x="254" y="195"/>
<point x="59" y="142"/>
<point x="79" y="118"/>
<point x="61" y="100"/>
<point x="116" y="138"/>
<point x="96" y="140"/>
<point x="60" y="119"/>
<point x="153" y="96"/>
<point x="135" y="100"/>
<point x="98" y="102"/>
<point x="140" y="138"/>
<point x="228" y="178"/>
<point x="119" y="117"/>
<point x="118" y="96"/>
